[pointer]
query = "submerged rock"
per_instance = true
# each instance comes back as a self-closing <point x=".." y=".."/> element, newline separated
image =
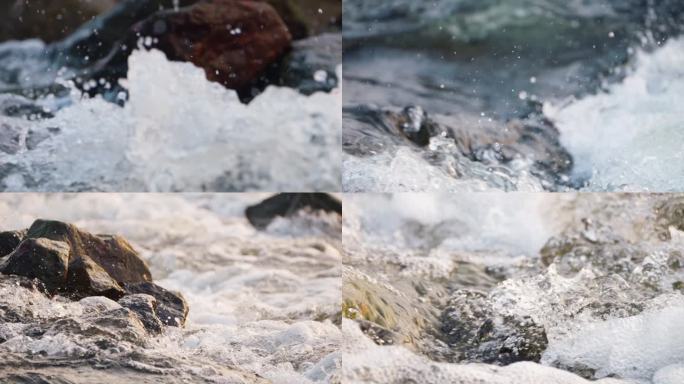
<point x="42" y="259"/>
<point x="77" y="264"/>
<point x="475" y="333"/>
<point x="288" y="204"/>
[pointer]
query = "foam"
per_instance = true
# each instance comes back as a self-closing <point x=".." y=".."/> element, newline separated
<point x="176" y="123"/>
<point x="629" y="137"/>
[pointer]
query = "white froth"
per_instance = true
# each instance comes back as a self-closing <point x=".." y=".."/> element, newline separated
<point x="631" y="136"/>
<point x="179" y="131"/>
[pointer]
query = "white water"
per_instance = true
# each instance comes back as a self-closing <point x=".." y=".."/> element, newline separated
<point x="630" y="136"/>
<point x="583" y="314"/>
<point x="253" y="296"/>
<point x="180" y="132"/>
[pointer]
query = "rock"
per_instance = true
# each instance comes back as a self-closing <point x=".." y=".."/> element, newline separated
<point x="10" y="240"/>
<point x="42" y="259"/>
<point x="47" y="20"/>
<point x="476" y="333"/>
<point x="305" y="18"/>
<point x="288" y="204"/>
<point x="86" y="278"/>
<point x="145" y="307"/>
<point x="112" y="253"/>
<point x="312" y="65"/>
<point x="171" y="309"/>
<point x="234" y="41"/>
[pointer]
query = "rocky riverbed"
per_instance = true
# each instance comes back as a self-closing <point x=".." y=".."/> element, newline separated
<point x="554" y="289"/>
<point x="184" y="289"/>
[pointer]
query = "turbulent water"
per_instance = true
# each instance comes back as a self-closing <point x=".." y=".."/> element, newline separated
<point x="604" y="74"/>
<point x="533" y="288"/>
<point x="263" y="305"/>
<point x="173" y="124"/>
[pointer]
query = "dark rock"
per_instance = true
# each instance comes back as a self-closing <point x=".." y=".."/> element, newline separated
<point x="145" y="306"/>
<point x="476" y="333"/>
<point x="287" y="204"/>
<point x="10" y="240"/>
<point x="37" y="135"/>
<point x="309" y="59"/>
<point x="112" y="253"/>
<point x="86" y="278"/>
<point x="304" y="19"/>
<point x="171" y="309"/>
<point x="42" y="259"/>
<point x="235" y="41"/>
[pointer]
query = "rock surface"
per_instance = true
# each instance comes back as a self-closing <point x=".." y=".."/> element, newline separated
<point x="171" y="308"/>
<point x="288" y="204"/>
<point x="305" y="18"/>
<point x="80" y="265"/>
<point x="114" y="254"/>
<point x="42" y="259"/>
<point x="9" y="241"/>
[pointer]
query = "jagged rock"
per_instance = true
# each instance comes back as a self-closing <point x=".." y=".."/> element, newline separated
<point x="112" y="253"/>
<point x="233" y="40"/>
<point x="145" y="306"/>
<point x="10" y="240"/>
<point x="42" y="259"/>
<point x="171" y="309"/>
<point x="86" y="278"/>
<point x="476" y="333"/>
<point x="10" y="138"/>
<point x="287" y="204"/>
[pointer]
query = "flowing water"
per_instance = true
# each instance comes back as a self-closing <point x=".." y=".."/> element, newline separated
<point x="602" y="76"/>
<point x="264" y="306"/>
<point x="495" y="288"/>
<point x="157" y="129"/>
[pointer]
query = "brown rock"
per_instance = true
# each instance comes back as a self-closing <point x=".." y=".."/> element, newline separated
<point x="86" y="278"/>
<point x="235" y="41"/>
<point x="42" y="259"/>
<point x="171" y="307"/>
<point x="112" y="253"/>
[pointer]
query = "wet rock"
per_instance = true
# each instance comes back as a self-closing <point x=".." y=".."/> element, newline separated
<point x="234" y="41"/>
<point x="306" y="18"/>
<point x="145" y="307"/>
<point x="42" y="259"/>
<point x="171" y="308"/>
<point x="10" y="240"/>
<point x="476" y="333"/>
<point x="37" y="135"/>
<point x="287" y="204"/>
<point x="86" y="278"/>
<point x="112" y="253"/>
<point x="47" y="20"/>
<point x="312" y="65"/>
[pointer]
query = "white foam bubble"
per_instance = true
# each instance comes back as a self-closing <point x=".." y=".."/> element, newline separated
<point x="179" y="131"/>
<point x="630" y="136"/>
